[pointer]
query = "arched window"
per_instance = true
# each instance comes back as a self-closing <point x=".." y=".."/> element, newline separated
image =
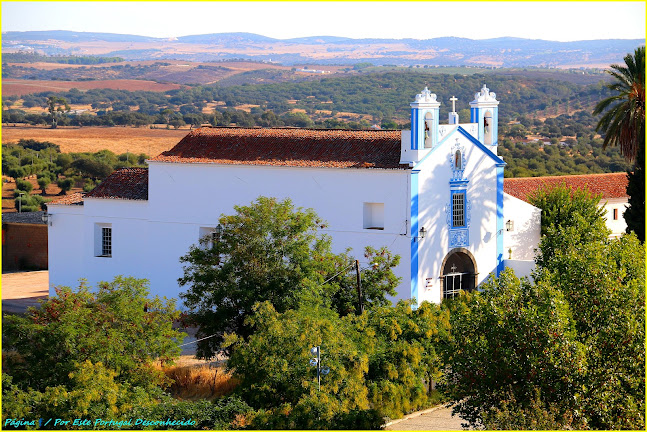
<point x="458" y="160"/>
<point x="429" y="121"/>
<point x="487" y="128"/>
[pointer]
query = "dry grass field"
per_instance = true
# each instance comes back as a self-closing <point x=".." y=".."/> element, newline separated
<point x="194" y="379"/>
<point x="17" y="87"/>
<point x="92" y="139"/>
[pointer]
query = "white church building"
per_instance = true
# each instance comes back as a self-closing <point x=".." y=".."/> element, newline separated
<point x="433" y="195"/>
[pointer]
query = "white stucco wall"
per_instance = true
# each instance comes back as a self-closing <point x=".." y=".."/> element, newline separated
<point x="337" y="195"/>
<point x="617" y="226"/>
<point x="434" y="177"/>
<point x="521" y="242"/>
<point x="149" y="237"/>
<point x="65" y="242"/>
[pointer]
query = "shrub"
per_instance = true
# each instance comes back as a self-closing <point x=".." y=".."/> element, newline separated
<point x="534" y="415"/>
<point x="118" y="326"/>
<point x="29" y="203"/>
<point x="224" y="413"/>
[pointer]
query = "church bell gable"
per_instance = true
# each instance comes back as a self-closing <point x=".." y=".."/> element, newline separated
<point x="485" y="112"/>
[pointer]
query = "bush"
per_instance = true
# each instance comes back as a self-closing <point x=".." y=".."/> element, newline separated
<point x="224" y="413"/>
<point x="118" y="326"/>
<point x="90" y="391"/>
<point x="29" y="203"/>
<point x="535" y="415"/>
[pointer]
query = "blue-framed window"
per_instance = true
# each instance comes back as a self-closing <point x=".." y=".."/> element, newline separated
<point x="458" y="209"/>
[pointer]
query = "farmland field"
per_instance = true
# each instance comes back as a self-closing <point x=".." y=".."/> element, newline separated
<point x="92" y="139"/>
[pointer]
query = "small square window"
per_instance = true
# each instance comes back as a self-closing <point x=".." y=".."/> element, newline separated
<point x="106" y="241"/>
<point x="374" y="216"/>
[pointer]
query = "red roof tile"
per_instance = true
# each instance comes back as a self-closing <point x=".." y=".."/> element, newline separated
<point x="288" y="147"/>
<point x="609" y="185"/>
<point x="126" y="183"/>
<point x="71" y="199"/>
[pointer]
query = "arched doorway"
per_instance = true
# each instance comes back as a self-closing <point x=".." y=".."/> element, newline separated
<point x="458" y="273"/>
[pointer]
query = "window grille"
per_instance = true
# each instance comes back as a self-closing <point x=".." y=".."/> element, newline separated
<point x="106" y="241"/>
<point x="458" y="210"/>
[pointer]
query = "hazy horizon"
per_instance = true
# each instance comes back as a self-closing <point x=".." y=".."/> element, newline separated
<point x="550" y="21"/>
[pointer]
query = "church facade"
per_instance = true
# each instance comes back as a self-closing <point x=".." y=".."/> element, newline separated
<point x="433" y="195"/>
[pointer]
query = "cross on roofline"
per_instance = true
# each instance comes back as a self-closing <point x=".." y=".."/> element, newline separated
<point x="453" y="99"/>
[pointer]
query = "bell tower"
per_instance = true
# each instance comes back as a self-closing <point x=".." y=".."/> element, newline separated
<point x="424" y="121"/>
<point x="485" y="112"/>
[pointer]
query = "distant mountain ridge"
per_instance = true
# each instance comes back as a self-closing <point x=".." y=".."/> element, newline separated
<point x="442" y="51"/>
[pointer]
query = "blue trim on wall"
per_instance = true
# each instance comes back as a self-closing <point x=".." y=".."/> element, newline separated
<point x="499" y="220"/>
<point x="414" y="237"/>
<point x="414" y="129"/>
<point x="482" y="146"/>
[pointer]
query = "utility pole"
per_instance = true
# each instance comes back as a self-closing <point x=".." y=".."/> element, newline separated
<point x="359" y="289"/>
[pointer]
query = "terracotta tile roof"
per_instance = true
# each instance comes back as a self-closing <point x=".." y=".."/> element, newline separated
<point x="289" y="147"/>
<point x="126" y="183"/>
<point x="71" y="199"/>
<point x="612" y="185"/>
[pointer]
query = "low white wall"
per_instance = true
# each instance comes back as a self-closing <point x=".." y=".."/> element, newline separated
<point x="65" y="242"/>
<point x="521" y="267"/>
<point x="521" y="242"/>
<point x="617" y="226"/>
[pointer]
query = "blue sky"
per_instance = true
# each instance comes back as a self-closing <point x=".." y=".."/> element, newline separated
<point x="561" y="21"/>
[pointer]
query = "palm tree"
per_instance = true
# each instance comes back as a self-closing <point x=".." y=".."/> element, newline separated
<point x="624" y="122"/>
<point x="624" y="126"/>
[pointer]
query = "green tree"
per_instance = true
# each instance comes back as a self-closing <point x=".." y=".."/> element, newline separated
<point x="623" y="124"/>
<point x="275" y="373"/>
<point x="24" y="185"/>
<point x="118" y="326"/>
<point x="568" y="219"/>
<point x="56" y="106"/>
<point x="65" y="185"/>
<point x="635" y="213"/>
<point x="404" y="348"/>
<point x="603" y="281"/>
<point x="43" y="181"/>
<point x="92" y="168"/>
<point x="512" y="338"/>
<point x="270" y="251"/>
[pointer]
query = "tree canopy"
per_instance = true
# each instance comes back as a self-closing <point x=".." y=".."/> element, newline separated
<point x="272" y="251"/>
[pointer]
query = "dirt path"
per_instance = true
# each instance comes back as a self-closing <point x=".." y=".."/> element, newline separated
<point x="433" y="419"/>
<point x="23" y="290"/>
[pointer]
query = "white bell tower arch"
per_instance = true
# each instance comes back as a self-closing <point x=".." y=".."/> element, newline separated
<point x="485" y="111"/>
